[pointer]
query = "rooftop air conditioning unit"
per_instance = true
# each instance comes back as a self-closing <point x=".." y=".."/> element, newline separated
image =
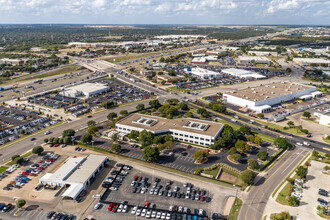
<point x="274" y="86"/>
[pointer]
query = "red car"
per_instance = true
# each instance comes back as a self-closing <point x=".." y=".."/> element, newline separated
<point x="40" y="168"/>
<point x="50" y="160"/>
<point x="110" y="206"/>
<point x="139" y="178"/>
<point x="33" y="174"/>
<point x="25" y="173"/>
<point x="41" y="161"/>
<point x="146" y="204"/>
<point x="84" y="193"/>
<point x="202" y="198"/>
<point x="115" y="207"/>
<point x="135" y="178"/>
<point x="56" y="145"/>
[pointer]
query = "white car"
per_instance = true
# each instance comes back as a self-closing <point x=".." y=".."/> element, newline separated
<point x="120" y="208"/>
<point x="143" y="213"/>
<point x="97" y="205"/>
<point x="134" y="210"/>
<point x="138" y="212"/>
<point x="113" y="188"/>
<point x="201" y="212"/>
<point x="151" y="191"/>
<point x="159" y="214"/>
<point x="125" y="208"/>
<point x="96" y="196"/>
<point x="163" y="215"/>
<point x="148" y="214"/>
<point x="300" y="144"/>
<point x="153" y="214"/>
<point x="47" y="132"/>
<point x="168" y="216"/>
<point x="143" y="190"/>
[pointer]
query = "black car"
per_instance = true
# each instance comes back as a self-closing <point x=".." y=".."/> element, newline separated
<point x="7" y="207"/>
<point x="32" y="139"/>
<point x="50" y="214"/>
<point x="89" y="116"/>
<point x="119" y="165"/>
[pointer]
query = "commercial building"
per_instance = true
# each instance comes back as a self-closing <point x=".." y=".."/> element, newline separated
<point x="311" y="61"/>
<point x="325" y="119"/>
<point x="198" y="60"/>
<point x="243" y="74"/>
<point x="262" y="53"/>
<point x="263" y="97"/>
<point x="189" y="130"/>
<point x="85" y="89"/>
<point x="76" y="173"/>
<point x="204" y="73"/>
<point x="253" y="59"/>
<point x="169" y="79"/>
<point x="13" y="62"/>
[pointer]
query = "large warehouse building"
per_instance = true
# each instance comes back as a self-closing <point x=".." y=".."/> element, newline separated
<point x="311" y="61"/>
<point x="253" y="59"/>
<point x="263" y="97"/>
<point x="85" y="89"/>
<point x="183" y="129"/>
<point x="76" y="174"/>
<point x="243" y="74"/>
<point x="204" y="73"/>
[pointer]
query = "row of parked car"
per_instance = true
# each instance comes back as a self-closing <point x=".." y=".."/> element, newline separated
<point x="60" y="216"/>
<point x="113" y="183"/>
<point x="297" y="188"/>
<point x="6" y="208"/>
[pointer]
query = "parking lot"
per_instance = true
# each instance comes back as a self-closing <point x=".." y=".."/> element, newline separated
<point x="16" y="121"/>
<point x="166" y="196"/>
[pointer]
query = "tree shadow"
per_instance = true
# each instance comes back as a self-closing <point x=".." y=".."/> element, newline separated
<point x="260" y="181"/>
<point x="31" y="207"/>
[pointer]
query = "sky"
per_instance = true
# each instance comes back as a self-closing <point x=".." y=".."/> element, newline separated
<point x="239" y="12"/>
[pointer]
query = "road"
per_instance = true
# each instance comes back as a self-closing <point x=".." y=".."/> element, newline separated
<point x="256" y="200"/>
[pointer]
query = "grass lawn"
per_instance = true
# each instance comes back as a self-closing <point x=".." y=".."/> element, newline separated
<point x="2" y="168"/>
<point x="326" y="140"/>
<point x="212" y="172"/>
<point x="233" y="215"/>
<point x="281" y="198"/>
<point x="64" y="70"/>
<point x="174" y="89"/>
<point x="266" y="138"/>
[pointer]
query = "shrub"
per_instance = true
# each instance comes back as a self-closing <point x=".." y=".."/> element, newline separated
<point x="198" y="171"/>
<point x="236" y="157"/>
<point x="293" y="201"/>
<point x="248" y="176"/>
<point x="14" y="157"/>
<point x="116" y="148"/>
<point x="20" y="203"/>
<point x="37" y="150"/>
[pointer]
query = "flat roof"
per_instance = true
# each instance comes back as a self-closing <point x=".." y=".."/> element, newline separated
<point x="184" y="124"/>
<point x="86" y="169"/>
<point x="202" y="71"/>
<point x="312" y="60"/>
<point x="89" y="87"/>
<point x="268" y="91"/>
<point x="64" y="171"/>
<point x="256" y="58"/>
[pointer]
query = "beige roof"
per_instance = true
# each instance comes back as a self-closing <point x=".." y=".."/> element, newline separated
<point x="268" y="91"/>
<point x="159" y="123"/>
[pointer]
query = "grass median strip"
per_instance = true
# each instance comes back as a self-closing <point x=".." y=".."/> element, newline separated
<point x="234" y="211"/>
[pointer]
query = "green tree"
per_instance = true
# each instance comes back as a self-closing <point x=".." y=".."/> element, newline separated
<point x="116" y="148"/>
<point x="14" y="157"/>
<point x="242" y="146"/>
<point x="108" y="104"/>
<point x="37" y="150"/>
<point x="114" y="137"/>
<point x="154" y="103"/>
<point x="245" y="130"/>
<point x="237" y="157"/>
<point x="158" y="140"/>
<point x="67" y="140"/>
<point x="201" y="155"/>
<point x="258" y="140"/>
<point x="172" y="101"/>
<point x="301" y="172"/>
<point x="92" y="130"/>
<point x="146" y="136"/>
<point x="86" y="138"/>
<point x="248" y="176"/>
<point x="253" y="163"/>
<point x="133" y="134"/>
<point x="19" y="160"/>
<point x="262" y="155"/>
<point x="140" y="107"/>
<point x="124" y="112"/>
<point x="203" y="112"/>
<point x="91" y="123"/>
<point x="20" y="203"/>
<point x="290" y="124"/>
<point x="250" y="138"/>
<point x="183" y="106"/>
<point x="227" y="129"/>
<point x="169" y="138"/>
<point x="111" y="116"/>
<point x="260" y="115"/>
<point x="281" y="142"/>
<point x="293" y="201"/>
<point x="189" y="114"/>
<point x="151" y="154"/>
<point x="232" y="151"/>
<point x="307" y="114"/>
<point x="68" y="132"/>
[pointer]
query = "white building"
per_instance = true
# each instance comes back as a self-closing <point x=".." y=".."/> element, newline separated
<point x="198" y="60"/>
<point x="325" y="119"/>
<point x="310" y="61"/>
<point x="76" y="173"/>
<point x="262" y="53"/>
<point x="85" y="89"/>
<point x="204" y="73"/>
<point x="263" y="97"/>
<point x="189" y="130"/>
<point x="243" y="74"/>
<point x="254" y="59"/>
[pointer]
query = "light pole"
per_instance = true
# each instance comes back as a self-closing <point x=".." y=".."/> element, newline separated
<point x="72" y="139"/>
<point x="92" y="144"/>
<point x="237" y="188"/>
